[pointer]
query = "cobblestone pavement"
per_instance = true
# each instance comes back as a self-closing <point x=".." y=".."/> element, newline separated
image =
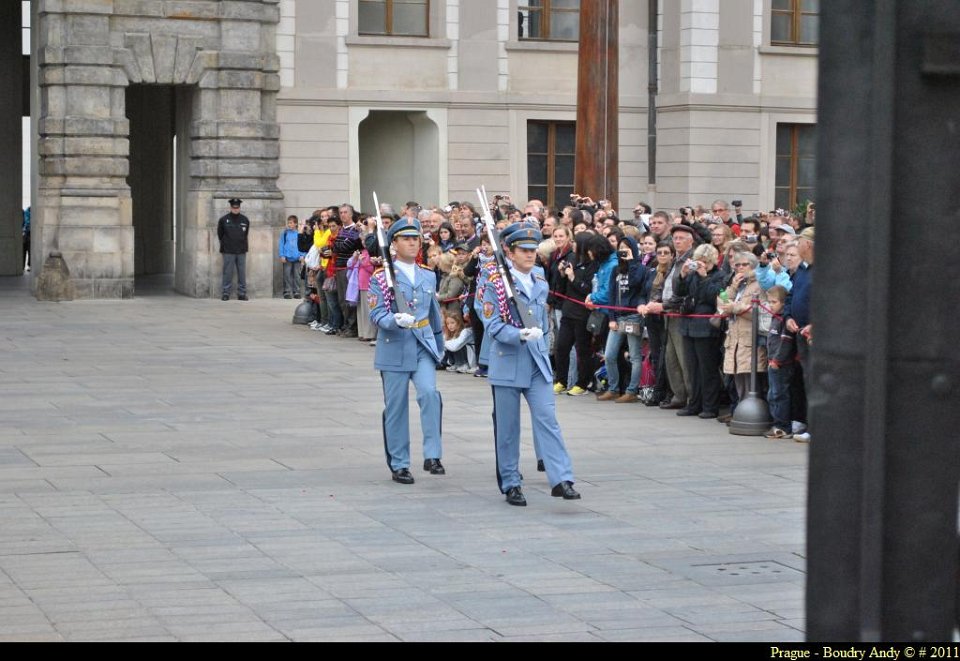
<point x="180" y="469"/>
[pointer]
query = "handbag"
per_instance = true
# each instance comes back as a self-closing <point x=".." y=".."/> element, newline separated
<point x="596" y="322"/>
<point x="330" y="284"/>
<point x="630" y="327"/>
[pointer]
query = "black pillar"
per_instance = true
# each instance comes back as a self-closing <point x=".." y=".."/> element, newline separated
<point x="885" y="406"/>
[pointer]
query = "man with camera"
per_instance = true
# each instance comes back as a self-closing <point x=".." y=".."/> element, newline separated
<point x="684" y="240"/>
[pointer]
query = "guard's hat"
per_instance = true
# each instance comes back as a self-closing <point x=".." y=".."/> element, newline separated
<point x="404" y="227"/>
<point x="522" y="235"/>
<point x="235" y="202"/>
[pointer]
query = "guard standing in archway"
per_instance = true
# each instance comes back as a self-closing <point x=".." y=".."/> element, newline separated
<point x="233" y="230"/>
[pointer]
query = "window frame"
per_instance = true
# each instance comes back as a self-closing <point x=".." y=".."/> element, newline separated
<point x="545" y="11"/>
<point x="792" y="188"/>
<point x="388" y="22"/>
<point x="796" y="14"/>
<point x="551" y="155"/>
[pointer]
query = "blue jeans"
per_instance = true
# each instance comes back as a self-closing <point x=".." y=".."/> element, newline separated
<point x="778" y="396"/>
<point x="614" y="345"/>
<point x="333" y="304"/>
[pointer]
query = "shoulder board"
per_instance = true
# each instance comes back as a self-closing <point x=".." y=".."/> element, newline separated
<point x="425" y="268"/>
<point x="493" y="276"/>
<point x="491" y="266"/>
<point x="379" y="270"/>
<point x="540" y="277"/>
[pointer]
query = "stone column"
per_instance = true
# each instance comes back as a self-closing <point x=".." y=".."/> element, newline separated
<point x="11" y="148"/>
<point x="235" y="151"/>
<point x="83" y="206"/>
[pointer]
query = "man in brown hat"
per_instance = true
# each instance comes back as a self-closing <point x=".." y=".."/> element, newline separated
<point x="233" y="230"/>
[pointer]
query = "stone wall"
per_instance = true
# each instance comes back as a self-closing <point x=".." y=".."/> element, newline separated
<point x="221" y="55"/>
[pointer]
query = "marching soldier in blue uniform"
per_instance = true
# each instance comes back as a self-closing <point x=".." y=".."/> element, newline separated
<point x="409" y="347"/>
<point x="520" y="365"/>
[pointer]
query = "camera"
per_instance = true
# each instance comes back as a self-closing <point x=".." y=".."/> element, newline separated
<point x="624" y="254"/>
<point x="772" y="254"/>
<point x="750" y="238"/>
<point x="737" y="203"/>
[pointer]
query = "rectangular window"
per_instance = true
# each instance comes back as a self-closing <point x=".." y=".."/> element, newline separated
<point x="796" y="165"/>
<point x="549" y="20"/>
<point x="397" y="18"/>
<point x="795" y="22"/>
<point x="551" y="152"/>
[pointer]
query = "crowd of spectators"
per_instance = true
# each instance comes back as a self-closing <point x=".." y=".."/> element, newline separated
<point x="655" y="309"/>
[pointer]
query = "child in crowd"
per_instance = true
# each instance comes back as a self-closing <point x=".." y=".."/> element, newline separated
<point x="782" y="352"/>
<point x="291" y="256"/>
<point x="458" y="343"/>
<point x="451" y="284"/>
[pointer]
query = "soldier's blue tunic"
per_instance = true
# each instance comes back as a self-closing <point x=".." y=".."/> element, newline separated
<point x="518" y="367"/>
<point x="408" y="354"/>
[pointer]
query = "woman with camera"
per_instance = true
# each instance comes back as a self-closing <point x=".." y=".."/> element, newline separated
<point x="652" y="313"/>
<point x="736" y="302"/>
<point x="628" y="286"/>
<point x="700" y="284"/>
<point x="574" y="286"/>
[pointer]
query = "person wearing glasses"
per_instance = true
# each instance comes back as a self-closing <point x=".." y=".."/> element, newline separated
<point x="721" y="211"/>
<point x="736" y="302"/>
<point x="700" y="284"/>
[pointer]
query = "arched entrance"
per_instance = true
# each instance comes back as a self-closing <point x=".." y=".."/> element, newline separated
<point x="116" y="195"/>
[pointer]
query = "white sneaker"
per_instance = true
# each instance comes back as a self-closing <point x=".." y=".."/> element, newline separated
<point x="803" y="437"/>
<point x="451" y="368"/>
<point x="314" y="324"/>
<point x="471" y="370"/>
<point x="463" y="369"/>
<point x="798" y="427"/>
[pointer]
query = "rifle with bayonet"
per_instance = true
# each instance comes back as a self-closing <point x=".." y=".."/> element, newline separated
<point x="399" y="299"/>
<point x="509" y="286"/>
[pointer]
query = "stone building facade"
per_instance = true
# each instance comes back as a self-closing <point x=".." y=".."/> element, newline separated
<point x="150" y="114"/>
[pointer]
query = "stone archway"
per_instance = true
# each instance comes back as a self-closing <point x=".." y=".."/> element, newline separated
<point x="215" y="54"/>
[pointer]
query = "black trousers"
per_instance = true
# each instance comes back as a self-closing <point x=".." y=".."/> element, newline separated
<point x="657" y="336"/>
<point x="573" y="332"/>
<point x="477" y="325"/>
<point x="703" y="360"/>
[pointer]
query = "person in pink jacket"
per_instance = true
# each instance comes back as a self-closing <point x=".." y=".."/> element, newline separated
<point x="365" y="266"/>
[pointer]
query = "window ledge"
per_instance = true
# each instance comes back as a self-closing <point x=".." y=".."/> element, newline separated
<point x="397" y="42"/>
<point x="806" y="51"/>
<point x="544" y="46"/>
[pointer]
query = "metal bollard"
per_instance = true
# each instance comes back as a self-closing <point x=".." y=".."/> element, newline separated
<point x="752" y="417"/>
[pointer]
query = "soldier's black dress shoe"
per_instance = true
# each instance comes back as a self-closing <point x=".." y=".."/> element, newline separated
<point x="242" y="297"/>
<point x="225" y="297"/>
<point x="403" y="476"/>
<point x="540" y="467"/>
<point x="515" y="497"/>
<point x="566" y="490"/>
<point x="434" y="467"/>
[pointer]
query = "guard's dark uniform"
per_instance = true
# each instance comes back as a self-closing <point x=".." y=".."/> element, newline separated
<point x="233" y="231"/>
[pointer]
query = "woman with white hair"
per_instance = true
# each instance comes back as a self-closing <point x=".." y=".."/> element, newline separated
<point x="736" y="302"/>
<point x="700" y="285"/>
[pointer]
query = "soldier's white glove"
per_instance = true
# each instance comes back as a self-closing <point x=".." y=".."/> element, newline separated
<point x="531" y="334"/>
<point x="404" y="320"/>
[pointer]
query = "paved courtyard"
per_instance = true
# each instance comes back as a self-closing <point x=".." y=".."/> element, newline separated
<point x="180" y="469"/>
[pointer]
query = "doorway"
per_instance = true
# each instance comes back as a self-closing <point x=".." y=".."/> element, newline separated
<point x="159" y="115"/>
<point x="399" y="157"/>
